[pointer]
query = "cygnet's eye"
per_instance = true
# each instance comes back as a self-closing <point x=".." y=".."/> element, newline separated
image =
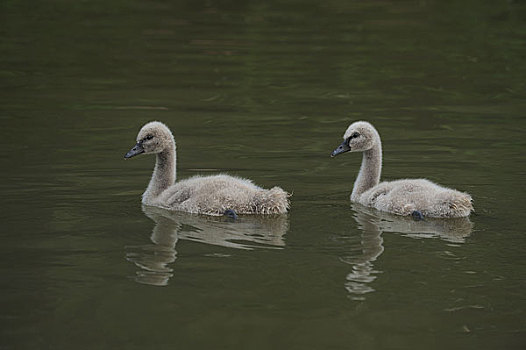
<point x="355" y="135"/>
<point x="149" y="137"/>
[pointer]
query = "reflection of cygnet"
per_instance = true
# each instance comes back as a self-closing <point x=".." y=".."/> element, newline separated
<point x="365" y="249"/>
<point x="248" y="232"/>
<point x="154" y="259"/>
<point x="453" y="230"/>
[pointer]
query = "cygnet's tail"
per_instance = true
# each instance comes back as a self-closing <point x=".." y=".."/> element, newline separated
<point x="273" y="201"/>
<point x="463" y="205"/>
<point x="457" y="204"/>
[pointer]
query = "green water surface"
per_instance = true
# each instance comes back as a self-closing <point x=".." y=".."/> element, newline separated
<point x="263" y="90"/>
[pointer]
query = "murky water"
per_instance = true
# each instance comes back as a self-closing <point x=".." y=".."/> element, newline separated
<point x="261" y="90"/>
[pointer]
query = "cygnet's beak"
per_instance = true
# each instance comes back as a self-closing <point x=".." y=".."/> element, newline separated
<point x="137" y="149"/>
<point x="344" y="147"/>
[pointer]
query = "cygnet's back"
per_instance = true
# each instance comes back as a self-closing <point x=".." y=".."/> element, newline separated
<point x="211" y="195"/>
<point x="404" y="197"/>
<point x="218" y="193"/>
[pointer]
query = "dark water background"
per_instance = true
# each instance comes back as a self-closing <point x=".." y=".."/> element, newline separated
<point x="263" y="90"/>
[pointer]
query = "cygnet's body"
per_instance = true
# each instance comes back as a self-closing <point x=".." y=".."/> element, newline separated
<point x="401" y="197"/>
<point x="210" y="195"/>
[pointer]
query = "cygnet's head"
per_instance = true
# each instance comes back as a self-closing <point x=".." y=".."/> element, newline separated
<point x="359" y="136"/>
<point x="154" y="137"/>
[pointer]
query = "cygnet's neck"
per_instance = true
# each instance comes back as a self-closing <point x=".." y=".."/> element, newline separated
<point x="163" y="176"/>
<point x="370" y="171"/>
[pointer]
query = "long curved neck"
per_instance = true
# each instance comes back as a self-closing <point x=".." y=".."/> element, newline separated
<point x="370" y="171"/>
<point x="164" y="174"/>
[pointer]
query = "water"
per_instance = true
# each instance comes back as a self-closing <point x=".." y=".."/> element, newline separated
<point x="261" y="90"/>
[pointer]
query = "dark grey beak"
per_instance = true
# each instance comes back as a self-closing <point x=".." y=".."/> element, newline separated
<point x="137" y="149"/>
<point x="344" y="147"/>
